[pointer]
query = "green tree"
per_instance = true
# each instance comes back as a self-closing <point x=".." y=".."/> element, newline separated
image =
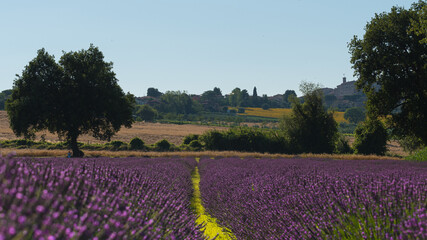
<point x="419" y="26"/>
<point x="146" y="113"/>
<point x="80" y="95"/>
<point x="390" y="63"/>
<point x="153" y="92"/>
<point x="176" y="102"/>
<point x="255" y="98"/>
<point x="136" y="144"/>
<point x="4" y="95"/>
<point x="310" y="128"/>
<point x="288" y="94"/>
<point x="355" y="115"/>
<point x="235" y="98"/>
<point x="212" y="100"/>
<point x="245" y="99"/>
<point x="370" y="138"/>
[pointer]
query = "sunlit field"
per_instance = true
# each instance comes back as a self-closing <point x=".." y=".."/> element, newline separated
<point x="279" y="112"/>
<point x="232" y="197"/>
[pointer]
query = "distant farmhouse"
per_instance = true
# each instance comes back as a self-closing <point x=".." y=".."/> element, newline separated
<point x="344" y="96"/>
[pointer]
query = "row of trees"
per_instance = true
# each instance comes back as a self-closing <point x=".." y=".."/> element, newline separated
<point x="214" y="100"/>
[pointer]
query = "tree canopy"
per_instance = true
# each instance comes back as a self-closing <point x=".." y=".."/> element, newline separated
<point x="153" y="92"/>
<point x="4" y="95"/>
<point x="355" y="115"/>
<point x="310" y="128"/>
<point x="390" y="62"/>
<point x="78" y="95"/>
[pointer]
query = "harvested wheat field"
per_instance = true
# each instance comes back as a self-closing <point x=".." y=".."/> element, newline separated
<point x="148" y="132"/>
<point x="151" y="133"/>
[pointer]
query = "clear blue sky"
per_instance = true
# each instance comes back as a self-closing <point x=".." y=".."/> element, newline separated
<point x="195" y="45"/>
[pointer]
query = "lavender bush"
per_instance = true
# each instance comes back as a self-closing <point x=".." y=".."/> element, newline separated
<point x="96" y="199"/>
<point x="316" y="199"/>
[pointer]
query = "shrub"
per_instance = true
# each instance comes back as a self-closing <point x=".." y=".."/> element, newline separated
<point x="419" y="156"/>
<point x="355" y="115"/>
<point x="213" y="140"/>
<point x="265" y="106"/>
<point x="117" y="145"/>
<point x="232" y="111"/>
<point x="162" y="145"/>
<point x="344" y="127"/>
<point x="342" y="146"/>
<point x="146" y="113"/>
<point x="241" y="110"/>
<point x="189" y="138"/>
<point x="195" y="145"/>
<point x="136" y="143"/>
<point x="371" y="138"/>
<point x="411" y="143"/>
<point x="244" y="139"/>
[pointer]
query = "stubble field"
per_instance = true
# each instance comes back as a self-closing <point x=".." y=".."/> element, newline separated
<point x="149" y="132"/>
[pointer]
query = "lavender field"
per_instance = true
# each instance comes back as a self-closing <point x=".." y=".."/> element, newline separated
<point x="143" y="198"/>
<point x="96" y="199"/>
<point x="316" y="199"/>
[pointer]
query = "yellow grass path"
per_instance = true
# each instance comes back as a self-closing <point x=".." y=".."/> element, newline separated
<point x="211" y="228"/>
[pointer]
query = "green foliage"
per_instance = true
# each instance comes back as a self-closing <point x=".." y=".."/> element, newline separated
<point x="287" y="98"/>
<point x="371" y="138"/>
<point x="78" y="95"/>
<point x="342" y="146"/>
<point x="419" y="25"/>
<point x="4" y="95"/>
<point x="153" y="92"/>
<point x="176" y="102"/>
<point x="117" y="145"/>
<point x="310" y="128"/>
<point x="212" y="100"/>
<point x="162" y="145"/>
<point x="419" y="156"/>
<point x="346" y="128"/>
<point x="241" y="110"/>
<point x="195" y="145"/>
<point x="411" y="143"/>
<point x="145" y="113"/>
<point x="136" y="144"/>
<point x="244" y="139"/>
<point x="389" y="62"/>
<point x="235" y="98"/>
<point x="189" y="138"/>
<point x="265" y="106"/>
<point x="355" y="115"/>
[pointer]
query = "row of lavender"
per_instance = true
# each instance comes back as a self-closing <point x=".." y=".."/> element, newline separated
<point x="316" y="199"/>
<point x="96" y="199"/>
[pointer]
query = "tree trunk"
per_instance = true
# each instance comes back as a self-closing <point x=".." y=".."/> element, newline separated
<point x="75" y="148"/>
